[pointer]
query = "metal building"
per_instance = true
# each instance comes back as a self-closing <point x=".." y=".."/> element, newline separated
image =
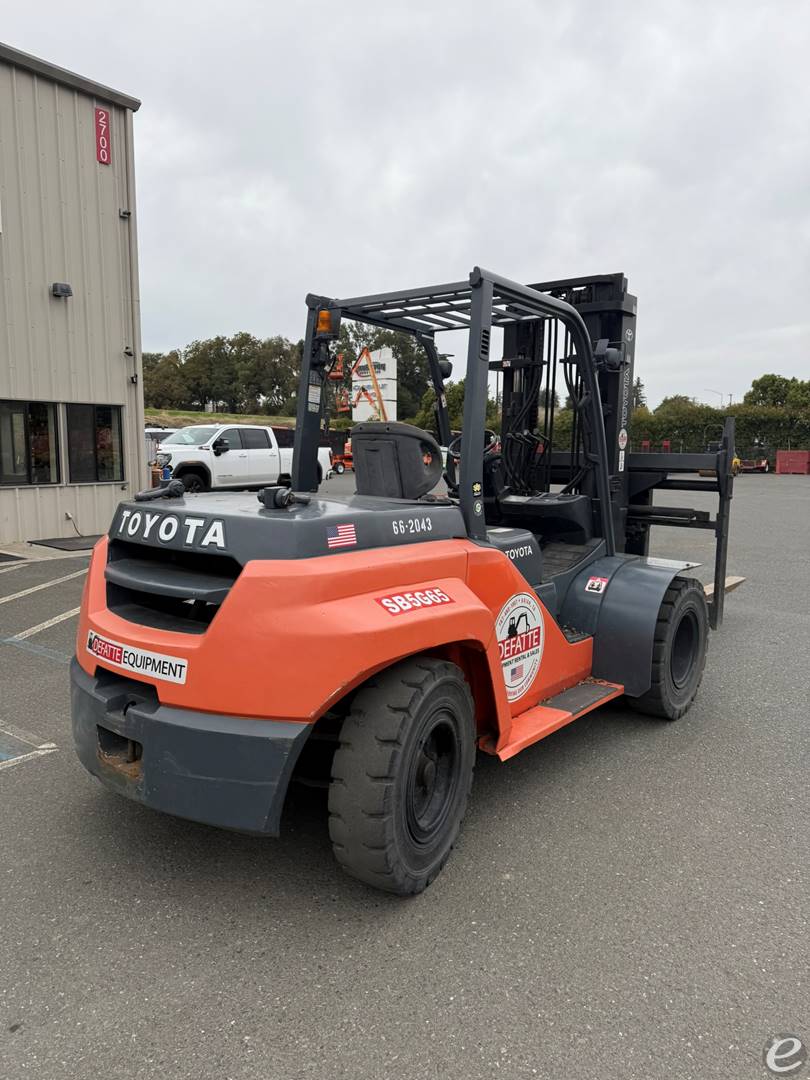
<point x="71" y="399"/>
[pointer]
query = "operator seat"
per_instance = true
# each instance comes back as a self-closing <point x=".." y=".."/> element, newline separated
<point x="394" y="460"/>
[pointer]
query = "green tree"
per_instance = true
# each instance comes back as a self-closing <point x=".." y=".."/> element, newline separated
<point x="677" y="403"/>
<point x="265" y="372"/>
<point x="799" y="394"/>
<point x="768" y="390"/>
<point x="210" y="373"/>
<point x="165" y="386"/>
<point x="150" y="361"/>
<point x="245" y="359"/>
<point x="454" y="391"/>
<point x="269" y="375"/>
<point x="638" y="399"/>
<point x="288" y="406"/>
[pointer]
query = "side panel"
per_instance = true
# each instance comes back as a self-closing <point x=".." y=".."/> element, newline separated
<point x="494" y="578"/>
<point x="622" y="616"/>
<point x="292" y="637"/>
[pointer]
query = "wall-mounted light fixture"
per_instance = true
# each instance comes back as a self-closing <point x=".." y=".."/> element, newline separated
<point x="61" y="289"/>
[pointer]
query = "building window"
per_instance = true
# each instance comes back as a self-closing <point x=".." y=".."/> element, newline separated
<point x="94" y="443"/>
<point x="28" y="445"/>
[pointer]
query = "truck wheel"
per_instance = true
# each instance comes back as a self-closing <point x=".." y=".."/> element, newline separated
<point x="402" y="774"/>
<point x="679" y="651"/>
<point x="194" y="482"/>
<point x="340" y="468"/>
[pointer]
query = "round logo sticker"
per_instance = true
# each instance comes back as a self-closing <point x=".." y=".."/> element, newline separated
<point x="623" y="439"/>
<point x="519" y="628"/>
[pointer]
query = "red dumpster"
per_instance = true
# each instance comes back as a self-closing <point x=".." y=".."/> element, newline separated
<point x="793" y="461"/>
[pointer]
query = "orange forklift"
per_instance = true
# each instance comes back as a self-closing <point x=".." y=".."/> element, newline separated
<point x="412" y="624"/>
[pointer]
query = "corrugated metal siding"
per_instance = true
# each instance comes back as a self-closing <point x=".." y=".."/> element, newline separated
<point x="61" y="222"/>
<point x="32" y="513"/>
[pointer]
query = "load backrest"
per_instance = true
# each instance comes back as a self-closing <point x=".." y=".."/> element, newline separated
<point x="394" y="460"/>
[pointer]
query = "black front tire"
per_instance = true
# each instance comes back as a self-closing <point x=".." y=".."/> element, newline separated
<point x="402" y="775"/>
<point x="679" y="651"/>
<point x="339" y="469"/>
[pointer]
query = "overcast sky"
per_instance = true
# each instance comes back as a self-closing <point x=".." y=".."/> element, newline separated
<point x="346" y="148"/>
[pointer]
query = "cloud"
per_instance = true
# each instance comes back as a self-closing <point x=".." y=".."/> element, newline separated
<point x="283" y="149"/>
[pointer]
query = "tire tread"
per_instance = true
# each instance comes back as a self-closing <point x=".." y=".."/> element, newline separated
<point x="364" y="771"/>
<point x="655" y="701"/>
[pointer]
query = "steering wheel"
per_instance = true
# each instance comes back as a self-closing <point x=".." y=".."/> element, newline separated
<point x="454" y="456"/>
<point x="454" y="446"/>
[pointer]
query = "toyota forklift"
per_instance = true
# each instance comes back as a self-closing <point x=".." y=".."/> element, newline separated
<point x="224" y="638"/>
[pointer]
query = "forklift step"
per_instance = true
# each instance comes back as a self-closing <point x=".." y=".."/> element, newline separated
<point x="533" y="725"/>
<point x="559" y="557"/>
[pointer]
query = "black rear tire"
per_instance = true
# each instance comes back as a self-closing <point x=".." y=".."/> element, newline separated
<point x="194" y="482"/>
<point x="679" y="651"/>
<point x="402" y="775"/>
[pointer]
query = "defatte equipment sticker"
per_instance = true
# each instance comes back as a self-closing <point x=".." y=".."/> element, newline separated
<point x="158" y="665"/>
<point x="596" y="584"/>
<point x="521" y="635"/>
<point x="623" y="439"/>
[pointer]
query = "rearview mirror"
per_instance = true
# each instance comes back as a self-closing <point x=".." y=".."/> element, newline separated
<point x="445" y="368"/>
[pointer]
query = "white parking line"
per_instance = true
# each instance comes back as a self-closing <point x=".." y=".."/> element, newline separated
<point x="34" y="741"/>
<point x="44" y="585"/>
<point x="23" y="634"/>
<point x="16" y="566"/>
<point x="41" y="752"/>
<point x="38" y="748"/>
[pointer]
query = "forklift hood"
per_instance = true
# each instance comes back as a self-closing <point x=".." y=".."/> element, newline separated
<point x="239" y="526"/>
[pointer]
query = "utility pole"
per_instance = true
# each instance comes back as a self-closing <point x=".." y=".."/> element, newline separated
<point x="722" y="396"/>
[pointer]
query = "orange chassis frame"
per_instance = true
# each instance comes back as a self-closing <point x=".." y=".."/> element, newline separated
<point x="309" y="620"/>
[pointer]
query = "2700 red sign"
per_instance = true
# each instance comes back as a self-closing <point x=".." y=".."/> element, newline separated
<point x="400" y="603"/>
<point x="103" y="141"/>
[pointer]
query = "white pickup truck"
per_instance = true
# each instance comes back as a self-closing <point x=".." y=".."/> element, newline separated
<point x="213" y="457"/>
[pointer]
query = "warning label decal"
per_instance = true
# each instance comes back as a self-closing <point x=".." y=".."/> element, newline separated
<point x="596" y="584"/>
<point x="520" y="632"/>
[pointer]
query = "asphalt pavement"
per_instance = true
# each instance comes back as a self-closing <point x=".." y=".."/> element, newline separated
<point x="628" y="900"/>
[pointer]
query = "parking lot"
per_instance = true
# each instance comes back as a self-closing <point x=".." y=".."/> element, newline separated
<point x="629" y="898"/>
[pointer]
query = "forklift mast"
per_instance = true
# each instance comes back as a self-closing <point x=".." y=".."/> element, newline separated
<point x="609" y="312"/>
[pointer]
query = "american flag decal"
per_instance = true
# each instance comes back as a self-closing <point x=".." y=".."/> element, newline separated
<point x="340" y="536"/>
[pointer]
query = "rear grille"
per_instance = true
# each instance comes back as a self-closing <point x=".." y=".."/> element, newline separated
<point x="168" y="590"/>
